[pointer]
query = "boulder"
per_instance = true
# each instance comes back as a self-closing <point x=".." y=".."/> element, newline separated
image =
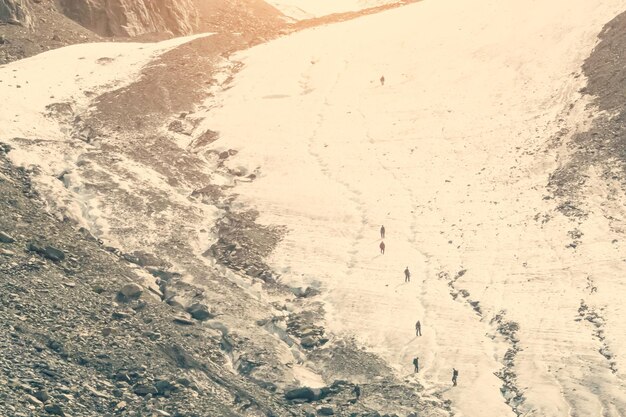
<point x="200" y="312"/>
<point x="54" y="409"/>
<point x="131" y="290"/>
<point x="6" y="238"/>
<point x="305" y="393"/>
<point x="183" y="321"/>
<point x="144" y="389"/>
<point x="49" y="252"/>
<point x="42" y="396"/>
<point x="325" y="411"/>
<point x="309" y="342"/>
<point x="15" y="12"/>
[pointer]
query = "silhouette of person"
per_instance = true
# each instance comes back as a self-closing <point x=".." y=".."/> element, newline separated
<point x="382" y="247"/>
<point x="455" y="375"/>
<point x="418" y="328"/>
<point x="407" y="275"/>
<point x="382" y="232"/>
<point x="416" y="364"/>
<point x="357" y="393"/>
<point x="382" y="80"/>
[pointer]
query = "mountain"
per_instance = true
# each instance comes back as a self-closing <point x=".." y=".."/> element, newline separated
<point x="190" y="225"/>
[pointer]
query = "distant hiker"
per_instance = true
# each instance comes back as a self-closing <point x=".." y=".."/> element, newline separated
<point x="382" y="232"/>
<point x="418" y="328"/>
<point x="382" y="80"/>
<point x="382" y="247"/>
<point x="416" y="364"/>
<point x="407" y="275"/>
<point x="455" y="375"/>
<point x="357" y="392"/>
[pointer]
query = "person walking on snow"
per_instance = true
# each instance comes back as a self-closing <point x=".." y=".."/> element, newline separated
<point x="382" y="232"/>
<point x="382" y="80"/>
<point x="407" y="275"/>
<point x="416" y="364"/>
<point x="418" y="328"/>
<point x="382" y="247"/>
<point x="455" y="374"/>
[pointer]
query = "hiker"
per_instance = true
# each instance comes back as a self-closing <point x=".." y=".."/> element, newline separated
<point x="416" y="364"/>
<point x="357" y="392"/>
<point x="418" y="328"/>
<point x="455" y="374"/>
<point x="382" y="232"/>
<point x="382" y="247"/>
<point x="407" y="275"/>
<point x="382" y="80"/>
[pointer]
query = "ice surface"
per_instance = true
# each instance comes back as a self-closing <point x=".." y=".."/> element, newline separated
<point x="449" y="155"/>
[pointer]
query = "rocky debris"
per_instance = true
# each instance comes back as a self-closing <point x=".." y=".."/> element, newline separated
<point x="183" y="321"/>
<point x="243" y="244"/>
<point x="600" y="148"/>
<point x="302" y="325"/>
<point x="34" y="27"/>
<point x="305" y="293"/>
<point x="15" y="12"/>
<point x="6" y="252"/>
<point x="54" y="409"/>
<point x="6" y="238"/>
<point x="206" y="138"/>
<point x="200" y="312"/>
<point x="306" y="394"/>
<point x="131" y="18"/>
<point x="325" y="410"/>
<point x="597" y="320"/>
<point x="131" y="291"/>
<point x="49" y="252"/>
<point x="513" y="395"/>
<point x="211" y="194"/>
<point x="72" y="350"/>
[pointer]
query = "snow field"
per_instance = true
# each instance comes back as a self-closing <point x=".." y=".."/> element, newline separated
<point x="447" y="154"/>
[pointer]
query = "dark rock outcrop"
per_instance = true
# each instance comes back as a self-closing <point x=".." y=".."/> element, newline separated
<point x="15" y="12"/>
<point x="133" y="17"/>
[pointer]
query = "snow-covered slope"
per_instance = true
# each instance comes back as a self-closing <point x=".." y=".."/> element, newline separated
<point x="306" y="9"/>
<point x="435" y="119"/>
<point x="450" y="154"/>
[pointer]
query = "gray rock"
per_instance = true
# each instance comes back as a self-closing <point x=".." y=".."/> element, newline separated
<point x="54" y="409"/>
<point x="200" y="312"/>
<point x="120" y="315"/>
<point x="6" y="252"/>
<point x="107" y="331"/>
<point x="53" y="253"/>
<point x="325" y="411"/>
<point x="131" y="290"/>
<point x="144" y="389"/>
<point x="42" y="396"/>
<point x="32" y="400"/>
<point x="309" y="342"/>
<point x="163" y="385"/>
<point x="49" y="252"/>
<point x="305" y="393"/>
<point x="183" y="320"/>
<point x="6" y="238"/>
<point x="16" y="12"/>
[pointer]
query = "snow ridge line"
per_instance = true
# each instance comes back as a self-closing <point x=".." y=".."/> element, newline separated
<point x="512" y="394"/>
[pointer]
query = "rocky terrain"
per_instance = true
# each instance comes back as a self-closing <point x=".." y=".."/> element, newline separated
<point x="87" y="330"/>
<point x="154" y="319"/>
<point x="136" y="282"/>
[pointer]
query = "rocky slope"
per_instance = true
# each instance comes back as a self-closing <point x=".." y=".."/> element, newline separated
<point x="131" y="17"/>
<point x="15" y="12"/>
